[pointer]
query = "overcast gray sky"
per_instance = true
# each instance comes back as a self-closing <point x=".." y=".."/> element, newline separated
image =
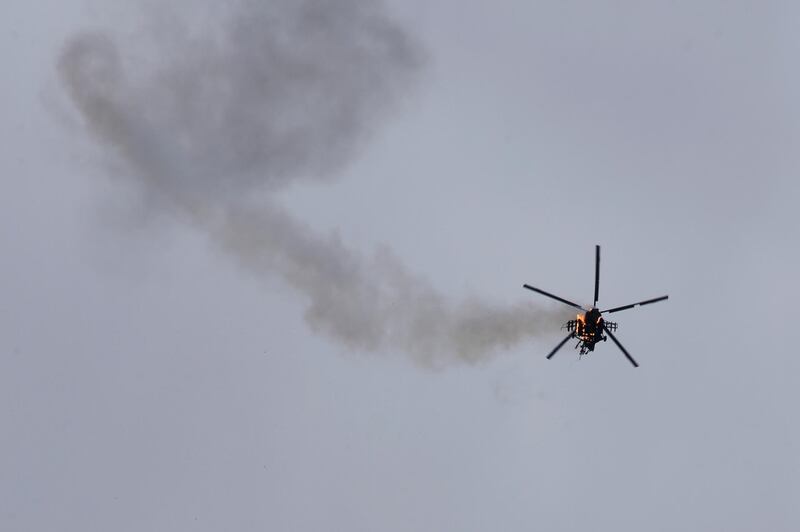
<point x="153" y="379"/>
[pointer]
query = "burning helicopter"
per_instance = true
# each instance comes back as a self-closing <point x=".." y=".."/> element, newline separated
<point x="589" y="326"/>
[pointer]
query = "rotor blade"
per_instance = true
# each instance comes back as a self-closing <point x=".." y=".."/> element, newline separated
<point x="624" y="351"/>
<point x="596" y="274"/>
<point x="617" y="309"/>
<point x="560" y="345"/>
<point x="570" y="303"/>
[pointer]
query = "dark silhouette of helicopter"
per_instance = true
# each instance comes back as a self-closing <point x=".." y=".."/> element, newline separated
<point x="589" y="327"/>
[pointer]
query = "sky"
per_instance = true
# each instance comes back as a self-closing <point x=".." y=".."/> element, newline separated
<point x="170" y="361"/>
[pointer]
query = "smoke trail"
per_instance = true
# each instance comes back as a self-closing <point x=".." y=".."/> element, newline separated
<point x="272" y="93"/>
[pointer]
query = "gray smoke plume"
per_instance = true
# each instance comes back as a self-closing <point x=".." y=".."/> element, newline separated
<point x="269" y="93"/>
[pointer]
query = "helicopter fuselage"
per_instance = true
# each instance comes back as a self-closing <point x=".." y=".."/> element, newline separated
<point x="588" y="329"/>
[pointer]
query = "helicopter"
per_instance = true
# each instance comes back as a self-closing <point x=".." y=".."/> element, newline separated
<point x="590" y="327"/>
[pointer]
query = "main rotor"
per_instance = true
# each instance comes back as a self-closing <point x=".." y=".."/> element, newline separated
<point x="589" y="327"/>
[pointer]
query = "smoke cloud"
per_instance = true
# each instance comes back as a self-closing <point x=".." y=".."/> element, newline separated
<point x="256" y="97"/>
